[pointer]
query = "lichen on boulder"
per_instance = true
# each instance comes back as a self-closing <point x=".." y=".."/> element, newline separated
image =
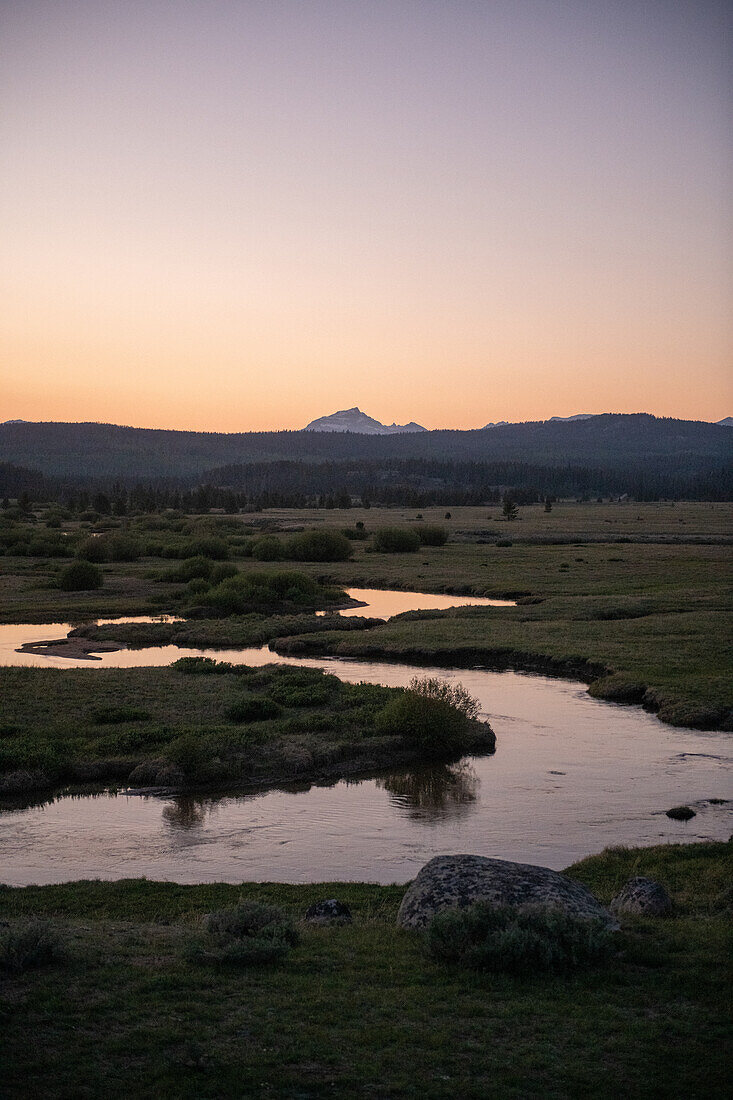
<point x="459" y="881"/>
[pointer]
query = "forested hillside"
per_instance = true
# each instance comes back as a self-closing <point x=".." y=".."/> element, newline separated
<point x="610" y="441"/>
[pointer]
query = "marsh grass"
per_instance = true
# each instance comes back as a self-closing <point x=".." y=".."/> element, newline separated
<point x="201" y="722"/>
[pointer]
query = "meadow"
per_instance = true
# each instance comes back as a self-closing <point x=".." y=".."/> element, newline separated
<point x="635" y="598"/>
<point x="361" y="1009"/>
<point x="631" y="598"/>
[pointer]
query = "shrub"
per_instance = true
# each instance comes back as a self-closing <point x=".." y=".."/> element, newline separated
<point x="396" y="540"/>
<point x="681" y="813"/>
<point x="432" y="535"/>
<point x="432" y="723"/>
<point x="455" y="694"/>
<point x="189" y="753"/>
<point x="520" y="941"/>
<point x="79" y="576"/>
<point x="503" y="542"/>
<point x="198" y="568"/>
<point x="319" y="546"/>
<point x="29" y="945"/>
<point x="267" y="548"/>
<point x="210" y="547"/>
<point x="221" y="571"/>
<point x="251" y="918"/>
<point x="92" y="549"/>
<point x="248" y="934"/>
<point x="264" y="592"/>
<point x="198" y="665"/>
<point x="123" y="548"/>
<point x="253" y="708"/>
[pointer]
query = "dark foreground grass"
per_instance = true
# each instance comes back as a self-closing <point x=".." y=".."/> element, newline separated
<point x="361" y="1010"/>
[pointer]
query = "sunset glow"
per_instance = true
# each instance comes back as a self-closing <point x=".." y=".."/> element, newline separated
<point x="241" y="216"/>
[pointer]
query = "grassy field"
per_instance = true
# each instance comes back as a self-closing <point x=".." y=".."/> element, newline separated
<point x="638" y="592"/>
<point x="230" y="725"/>
<point x="361" y="1010"/>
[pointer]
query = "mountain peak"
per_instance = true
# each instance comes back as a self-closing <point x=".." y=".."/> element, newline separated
<point x="354" y="420"/>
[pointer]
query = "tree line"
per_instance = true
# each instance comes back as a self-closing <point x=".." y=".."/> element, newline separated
<point x="414" y="483"/>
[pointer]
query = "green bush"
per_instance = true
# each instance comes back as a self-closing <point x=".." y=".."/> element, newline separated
<point x="92" y="549"/>
<point x="267" y="548"/>
<point x="431" y="722"/>
<point x="201" y="666"/>
<point x="318" y="546"/>
<point x="189" y="753"/>
<point x="432" y="687"/>
<point x="396" y="540"/>
<point x="29" y="945"/>
<point x="221" y="571"/>
<point x="264" y="592"/>
<point x="248" y="934"/>
<point x="123" y="548"/>
<point x="432" y="535"/>
<point x="79" y="576"/>
<point x="198" y="568"/>
<point x="519" y="941"/>
<point x="208" y="547"/>
<point x="251" y="918"/>
<point x="253" y="708"/>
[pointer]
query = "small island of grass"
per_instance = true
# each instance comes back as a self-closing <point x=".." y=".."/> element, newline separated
<point x="202" y="723"/>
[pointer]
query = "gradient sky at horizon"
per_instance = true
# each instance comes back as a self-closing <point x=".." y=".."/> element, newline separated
<point x="243" y="215"/>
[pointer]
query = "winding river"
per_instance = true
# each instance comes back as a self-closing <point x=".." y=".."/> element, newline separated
<point x="571" y="775"/>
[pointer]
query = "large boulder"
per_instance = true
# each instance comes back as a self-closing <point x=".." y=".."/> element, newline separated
<point x="458" y="881"/>
<point x="643" y="897"/>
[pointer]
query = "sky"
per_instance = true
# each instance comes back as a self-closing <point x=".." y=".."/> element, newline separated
<point x="238" y="215"/>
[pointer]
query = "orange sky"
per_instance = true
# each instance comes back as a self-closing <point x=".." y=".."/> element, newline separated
<point x="241" y="216"/>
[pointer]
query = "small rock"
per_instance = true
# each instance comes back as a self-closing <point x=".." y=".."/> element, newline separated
<point x="328" y="912"/>
<point x="458" y="881"/>
<point x="681" y="813"/>
<point x="644" y="897"/>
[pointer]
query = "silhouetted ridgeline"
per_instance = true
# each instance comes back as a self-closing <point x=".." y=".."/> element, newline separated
<point x="640" y="455"/>
<point x="615" y="440"/>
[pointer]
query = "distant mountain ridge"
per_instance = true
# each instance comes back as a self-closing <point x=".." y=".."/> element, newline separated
<point x="612" y="440"/>
<point x="354" y="420"/>
<point x="551" y="420"/>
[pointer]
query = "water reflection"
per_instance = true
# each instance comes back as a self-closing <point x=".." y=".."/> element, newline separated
<point x="186" y="811"/>
<point x="434" y="792"/>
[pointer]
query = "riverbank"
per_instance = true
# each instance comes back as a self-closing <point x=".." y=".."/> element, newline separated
<point x="361" y="1010"/>
<point x="675" y="663"/>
